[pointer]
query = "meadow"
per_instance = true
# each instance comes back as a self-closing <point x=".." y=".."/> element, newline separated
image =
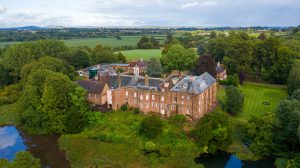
<point x="108" y="41"/>
<point x="259" y="98"/>
<point x="146" y="54"/>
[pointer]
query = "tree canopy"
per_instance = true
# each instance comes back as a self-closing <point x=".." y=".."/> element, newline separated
<point x="178" y="58"/>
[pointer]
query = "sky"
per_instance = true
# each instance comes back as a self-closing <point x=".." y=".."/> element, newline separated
<point x="112" y="13"/>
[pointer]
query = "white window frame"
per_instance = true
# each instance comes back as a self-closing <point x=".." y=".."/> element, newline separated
<point x="134" y="94"/>
<point x="141" y="97"/>
<point x="147" y="97"/>
<point x="153" y="97"/>
<point x="162" y="98"/>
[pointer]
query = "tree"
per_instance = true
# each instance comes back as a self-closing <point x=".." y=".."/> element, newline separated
<point x="288" y="113"/>
<point x="201" y="49"/>
<point x="50" y="63"/>
<point x="213" y="35"/>
<point x="154" y="67"/>
<point x="259" y="56"/>
<point x="205" y="63"/>
<point x="22" y="160"/>
<point x="296" y="95"/>
<point x="53" y="104"/>
<point x="216" y="47"/>
<point x="80" y="59"/>
<point x="262" y="134"/>
<point x="178" y="58"/>
<point x="234" y="101"/>
<point x="121" y="57"/>
<point x="262" y="36"/>
<point x="213" y="132"/>
<point x="18" y="55"/>
<point x="148" y="43"/>
<point x="279" y="71"/>
<point x="294" y="78"/>
<point x="151" y="127"/>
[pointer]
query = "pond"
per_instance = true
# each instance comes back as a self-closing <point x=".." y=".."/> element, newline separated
<point x="44" y="147"/>
<point x="226" y="160"/>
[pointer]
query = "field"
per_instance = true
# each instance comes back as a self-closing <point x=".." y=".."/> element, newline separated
<point x="255" y="96"/>
<point x="140" y="53"/>
<point x="109" y="41"/>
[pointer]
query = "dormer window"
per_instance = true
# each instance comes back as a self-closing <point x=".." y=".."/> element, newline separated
<point x="185" y="85"/>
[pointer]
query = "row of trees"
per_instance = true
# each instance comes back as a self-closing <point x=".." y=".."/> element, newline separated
<point x="15" y="57"/>
<point x="269" y="57"/>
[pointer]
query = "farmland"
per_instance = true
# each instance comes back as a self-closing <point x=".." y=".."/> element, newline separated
<point x="141" y="53"/>
<point x="109" y="41"/>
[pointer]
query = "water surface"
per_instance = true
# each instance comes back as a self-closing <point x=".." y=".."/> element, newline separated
<point x="44" y="147"/>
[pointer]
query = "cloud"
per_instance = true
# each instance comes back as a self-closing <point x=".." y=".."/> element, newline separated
<point x="7" y="139"/>
<point x="189" y="5"/>
<point x="150" y="13"/>
<point x="2" y="9"/>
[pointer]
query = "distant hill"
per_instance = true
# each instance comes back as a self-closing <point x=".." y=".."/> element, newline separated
<point x="24" y="28"/>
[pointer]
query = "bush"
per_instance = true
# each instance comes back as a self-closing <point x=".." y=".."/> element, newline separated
<point x="22" y="160"/>
<point x="178" y="120"/>
<point x="136" y="111"/>
<point x="124" y="107"/>
<point x="232" y="80"/>
<point x="151" y="127"/>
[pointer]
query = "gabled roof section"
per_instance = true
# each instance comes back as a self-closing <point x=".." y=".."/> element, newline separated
<point x="194" y="84"/>
<point x="92" y="86"/>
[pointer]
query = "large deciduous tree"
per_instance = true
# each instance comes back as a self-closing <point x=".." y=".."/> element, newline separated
<point x="205" y="63"/>
<point x="234" y="101"/>
<point x="294" y="78"/>
<point x="213" y="132"/>
<point x="154" y="67"/>
<point x="52" y="104"/>
<point x="178" y="58"/>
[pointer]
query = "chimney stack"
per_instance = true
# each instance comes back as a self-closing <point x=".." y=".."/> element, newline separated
<point x="119" y="80"/>
<point x="146" y="80"/>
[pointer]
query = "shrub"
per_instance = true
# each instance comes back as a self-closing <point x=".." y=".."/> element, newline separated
<point x="178" y="121"/>
<point x="136" y="111"/>
<point x="232" y="80"/>
<point x="151" y="127"/>
<point x="124" y="107"/>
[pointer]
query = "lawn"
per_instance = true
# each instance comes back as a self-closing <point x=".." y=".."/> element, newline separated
<point x="146" y="54"/>
<point x="255" y="96"/>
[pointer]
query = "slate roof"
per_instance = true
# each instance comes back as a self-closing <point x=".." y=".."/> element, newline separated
<point x="120" y="65"/>
<point x="92" y="86"/>
<point x="194" y="84"/>
<point x="134" y="81"/>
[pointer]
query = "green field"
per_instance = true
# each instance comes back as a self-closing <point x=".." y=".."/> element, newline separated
<point x="141" y="53"/>
<point x="255" y="95"/>
<point x="109" y="41"/>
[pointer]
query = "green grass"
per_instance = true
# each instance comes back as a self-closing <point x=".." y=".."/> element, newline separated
<point x="255" y="94"/>
<point x="146" y="54"/>
<point x="109" y="41"/>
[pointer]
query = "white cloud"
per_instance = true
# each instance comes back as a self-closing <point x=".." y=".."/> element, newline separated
<point x="6" y="139"/>
<point x="2" y="9"/>
<point x="189" y="5"/>
<point x="149" y="13"/>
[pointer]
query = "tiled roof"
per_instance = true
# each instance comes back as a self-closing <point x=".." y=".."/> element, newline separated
<point x="92" y="86"/>
<point x="194" y="84"/>
<point x="121" y="65"/>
